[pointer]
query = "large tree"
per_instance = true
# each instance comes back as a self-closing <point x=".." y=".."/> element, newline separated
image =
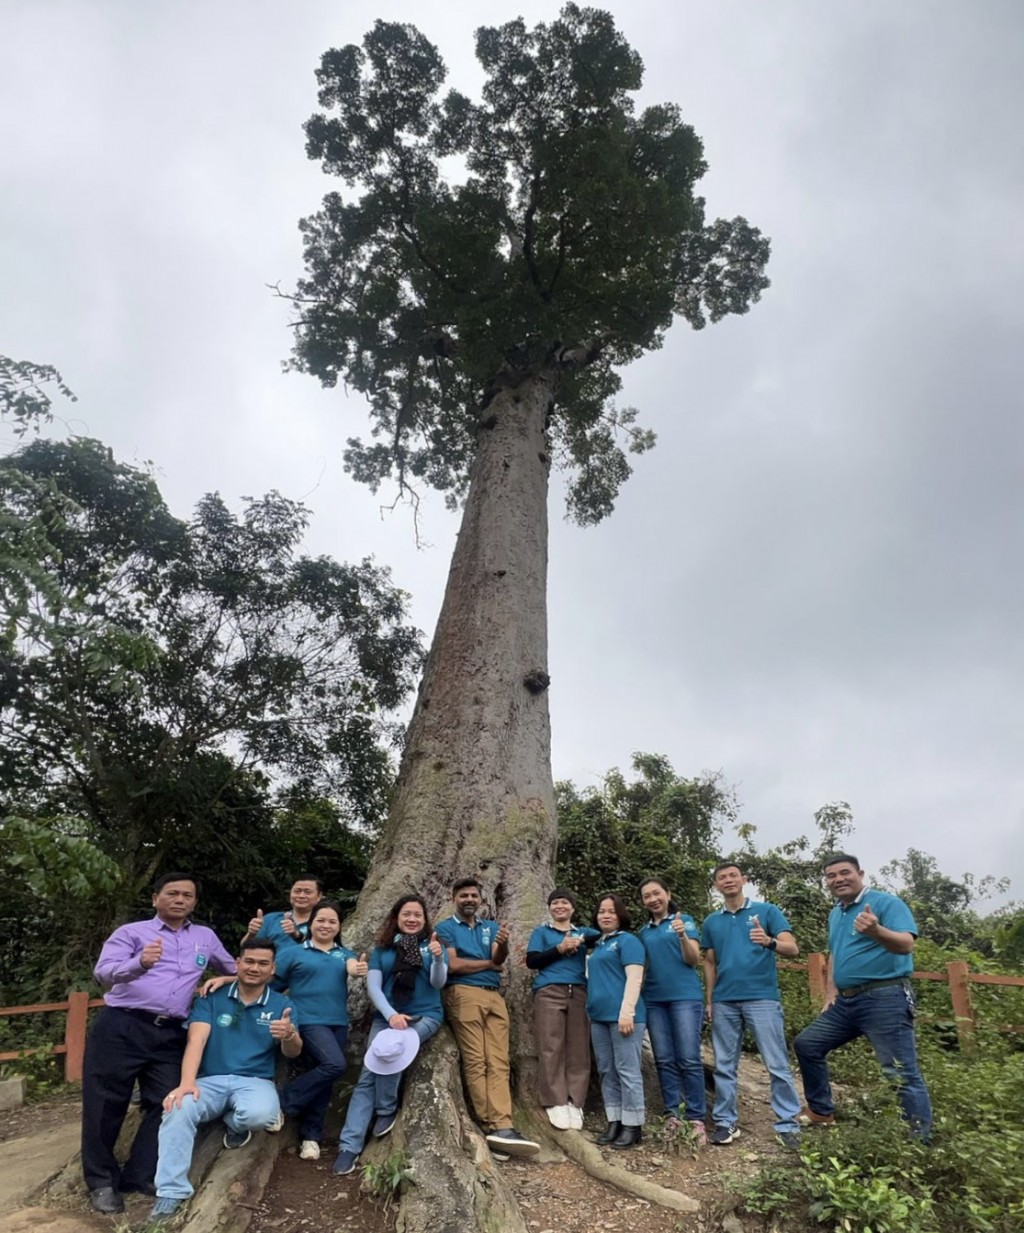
<point x="488" y="269"/>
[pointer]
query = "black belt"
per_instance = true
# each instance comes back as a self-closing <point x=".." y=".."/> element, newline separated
<point x="150" y="1016"/>
<point x="871" y="984"/>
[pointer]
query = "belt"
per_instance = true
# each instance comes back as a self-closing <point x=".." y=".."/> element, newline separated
<point x="150" y="1016"/>
<point x="871" y="984"/>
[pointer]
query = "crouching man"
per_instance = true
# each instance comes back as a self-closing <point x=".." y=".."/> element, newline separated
<point x="227" y="1071"/>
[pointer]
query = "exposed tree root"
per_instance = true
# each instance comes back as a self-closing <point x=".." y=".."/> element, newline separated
<point x="587" y="1155"/>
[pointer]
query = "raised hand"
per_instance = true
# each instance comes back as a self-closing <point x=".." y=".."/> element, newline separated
<point x="866" y="921"/>
<point x="679" y="925"/>
<point x="570" y="944"/>
<point x="282" y="1029"/>
<point x="174" y="1098"/>
<point x="151" y="953"/>
<point x="362" y="967"/>
<point x="288" y="924"/>
<point x="503" y="935"/>
<point x="434" y="946"/>
<point x="758" y="935"/>
<point x="256" y="924"/>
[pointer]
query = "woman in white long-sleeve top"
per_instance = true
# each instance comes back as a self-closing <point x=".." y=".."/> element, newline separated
<point x="408" y="970"/>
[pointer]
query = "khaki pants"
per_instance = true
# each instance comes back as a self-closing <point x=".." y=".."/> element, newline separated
<point x="479" y="1019"/>
<point x="563" y="1044"/>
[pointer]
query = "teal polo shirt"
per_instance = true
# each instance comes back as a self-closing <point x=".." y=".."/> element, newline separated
<point x="272" y="931"/>
<point x="669" y="978"/>
<point x="240" y="1042"/>
<point x="317" y="981"/>
<point x="745" y="972"/>
<point x="606" y="977"/>
<point x="471" y="942"/>
<point x="566" y="969"/>
<point x="425" y="1000"/>
<point x="858" y="959"/>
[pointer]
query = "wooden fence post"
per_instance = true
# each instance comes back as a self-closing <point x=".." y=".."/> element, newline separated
<point x="963" y="1011"/>
<point x="817" y="976"/>
<point x="74" y="1036"/>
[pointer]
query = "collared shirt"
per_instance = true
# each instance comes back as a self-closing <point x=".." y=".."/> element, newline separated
<point x="744" y="971"/>
<point x="566" y="969"/>
<point x="240" y="1042"/>
<point x="669" y="978"/>
<point x="272" y="931"/>
<point x="317" y="981"/>
<point x="425" y="999"/>
<point x="606" y="977"/>
<point x="167" y="987"/>
<point x="471" y="942"/>
<point x="858" y="959"/>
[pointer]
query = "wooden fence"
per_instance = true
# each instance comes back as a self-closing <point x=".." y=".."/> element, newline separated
<point x="957" y="975"/>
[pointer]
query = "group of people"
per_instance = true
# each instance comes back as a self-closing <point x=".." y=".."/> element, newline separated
<point x="595" y="986"/>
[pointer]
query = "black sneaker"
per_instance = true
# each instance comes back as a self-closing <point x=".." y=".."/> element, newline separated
<point x="345" y="1163"/>
<point x="724" y="1135"/>
<point x="236" y="1138"/>
<point x="383" y="1123"/>
<point x="511" y="1143"/>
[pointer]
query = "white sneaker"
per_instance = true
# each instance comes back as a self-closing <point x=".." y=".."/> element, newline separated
<point x="310" y="1150"/>
<point x="277" y="1124"/>
<point x="559" y="1116"/>
<point x="575" y="1117"/>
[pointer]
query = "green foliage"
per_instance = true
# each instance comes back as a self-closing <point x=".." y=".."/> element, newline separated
<point x="659" y="825"/>
<point x="385" y="1180"/>
<point x="24" y="395"/>
<point x="572" y="239"/>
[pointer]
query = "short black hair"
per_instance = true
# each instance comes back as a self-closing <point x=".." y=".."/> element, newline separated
<point x="462" y="883"/>
<point x="621" y="911"/>
<point x="162" y="881"/>
<point x="310" y="877"/>
<point x="257" y="944"/>
<point x="726" y="865"/>
<point x="838" y="858"/>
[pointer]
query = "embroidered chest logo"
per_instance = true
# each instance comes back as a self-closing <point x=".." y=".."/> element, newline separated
<point x="266" y="1015"/>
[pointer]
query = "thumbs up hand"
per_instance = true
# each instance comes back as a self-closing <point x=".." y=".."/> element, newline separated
<point x="283" y="1029"/>
<point x="678" y="925"/>
<point x="758" y="935"/>
<point x="288" y="924"/>
<point x="867" y="922"/>
<point x="361" y="966"/>
<point x="256" y="924"/>
<point x="151" y="952"/>
<point x="434" y="946"/>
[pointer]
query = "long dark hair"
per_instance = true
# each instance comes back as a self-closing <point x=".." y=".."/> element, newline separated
<point x="672" y="905"/>
<point x="386" y="937"/>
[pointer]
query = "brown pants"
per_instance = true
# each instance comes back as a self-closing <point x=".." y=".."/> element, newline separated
<point x="479" y="1019"/>
<point x="563" y="1044"/>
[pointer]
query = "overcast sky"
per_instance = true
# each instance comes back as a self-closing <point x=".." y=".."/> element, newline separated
<point x="814" y="584"/>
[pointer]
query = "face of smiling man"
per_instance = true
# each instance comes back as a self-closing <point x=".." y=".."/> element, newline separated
<point x="844" y="880"/>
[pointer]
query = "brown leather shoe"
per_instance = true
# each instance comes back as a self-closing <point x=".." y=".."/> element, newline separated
<point x="807" y="1117"/>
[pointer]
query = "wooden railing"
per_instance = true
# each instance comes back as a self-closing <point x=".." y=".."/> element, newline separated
<point x="76" y="1009"/>
<point x="957" y="975"/>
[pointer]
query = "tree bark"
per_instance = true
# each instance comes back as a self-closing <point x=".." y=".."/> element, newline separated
<point x="474" y="794"/>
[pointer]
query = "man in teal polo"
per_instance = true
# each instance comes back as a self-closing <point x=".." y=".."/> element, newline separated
<point x="741" y="941"/>
<point x="228" y="1069"/>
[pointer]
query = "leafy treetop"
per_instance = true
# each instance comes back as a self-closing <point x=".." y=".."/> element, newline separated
<point x="547" y="227"/>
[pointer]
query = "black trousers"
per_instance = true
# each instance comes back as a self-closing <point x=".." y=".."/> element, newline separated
<point x="121" y="1048"/>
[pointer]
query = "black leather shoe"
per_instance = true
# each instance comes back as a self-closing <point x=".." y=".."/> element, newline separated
<point x="611" y="1134"/>
<point x="106" y="1200"/>
<point x="629" y="1136"/>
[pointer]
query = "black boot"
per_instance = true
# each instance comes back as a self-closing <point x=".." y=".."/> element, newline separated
<point x="611" y="1134"/>
<point x="629" y="1136"/>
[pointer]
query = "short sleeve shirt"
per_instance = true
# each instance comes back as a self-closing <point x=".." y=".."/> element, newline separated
<point x="606" y="977"/>
<point x="425" y="1000"/>
<point x="240" y="1042"/>
<point x="471" y="942"/>
<point x="317" y="981"/>
<point x="744" y="971"/>
<point x="669" y="978"/>
<point x="273" y="932"/>
<point x="566" y="969"/>
<point x="858" y="959"/>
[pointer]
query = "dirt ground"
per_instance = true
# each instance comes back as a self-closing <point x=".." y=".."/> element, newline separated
<point x="42" y="1115"/>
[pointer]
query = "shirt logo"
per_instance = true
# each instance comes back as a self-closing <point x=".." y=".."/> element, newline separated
<point x="224" y="1020"/>
<point x="266" y="1015"/>
<point x="200" y="961"/>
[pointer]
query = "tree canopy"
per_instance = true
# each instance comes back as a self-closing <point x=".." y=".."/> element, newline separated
<point x="546" y="226"/>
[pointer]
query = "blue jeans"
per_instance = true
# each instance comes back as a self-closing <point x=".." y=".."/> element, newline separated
<point x="764" y="1018"/>
<point x="618" y="1064"/>
<point x="886" y="1017"/>
<point x="675" y="1029"/>
<point x="244" y="1103"/>
<point x="376" y="1093"/>
<point x="309" y="1096"/>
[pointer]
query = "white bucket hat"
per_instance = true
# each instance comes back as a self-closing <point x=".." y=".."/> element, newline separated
<point x="391" y="1051"/>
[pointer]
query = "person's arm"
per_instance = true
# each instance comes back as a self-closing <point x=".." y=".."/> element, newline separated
<point x="898" y="941"/>
<point x="630" y="997"/>
<point x="688" y="945"/>
<point x="254" y="927"/>
<point x="213" y="984"/>
<point x="710" y="976"/>
<point x="786" y="945"/>
<point x="286" y="1034"/>
<point x="357" y="967"/>
<point x="466" y="967"/>
<point x="122" y="959"/>
<point x="438" y="966"/>
<point x="198" y="1035"/>
<point x="831" y="992"/>
<point x="499" y="949"/>
<point x="375" y="989"/>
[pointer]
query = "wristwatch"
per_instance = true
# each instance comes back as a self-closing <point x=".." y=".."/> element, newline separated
<point x="772" y="944"/>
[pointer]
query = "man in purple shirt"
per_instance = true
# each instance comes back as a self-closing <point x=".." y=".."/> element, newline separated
<point x="153" y="967"/>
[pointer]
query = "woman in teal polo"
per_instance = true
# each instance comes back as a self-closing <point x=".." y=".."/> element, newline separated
<point x="617" y="1019"/>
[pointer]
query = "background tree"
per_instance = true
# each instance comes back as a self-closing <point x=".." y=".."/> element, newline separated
<point x="659" y="824"/>
<point x="483" y="316"/>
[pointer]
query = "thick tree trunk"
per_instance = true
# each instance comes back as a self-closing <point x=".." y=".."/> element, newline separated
<point x="474" y="794"/>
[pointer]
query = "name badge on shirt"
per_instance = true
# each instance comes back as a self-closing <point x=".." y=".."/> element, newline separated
<point x="225" y="1020"/>
<point x="200" y="961"/>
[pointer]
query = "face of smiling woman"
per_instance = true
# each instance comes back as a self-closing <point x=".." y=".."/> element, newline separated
<point x="325" y="927"/>
<point x="607" y="917"/>
<point x="411" y="918"/>
<point x="655" y="899"/>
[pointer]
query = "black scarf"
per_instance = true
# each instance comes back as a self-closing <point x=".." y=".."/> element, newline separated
<point x="408" y="965"/>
